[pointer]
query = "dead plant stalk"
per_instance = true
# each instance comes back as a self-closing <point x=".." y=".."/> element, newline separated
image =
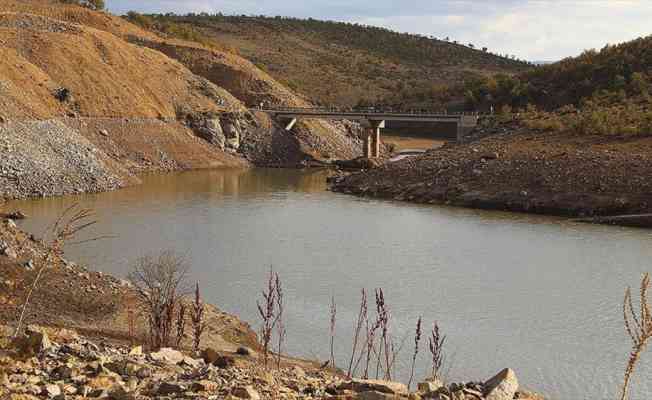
<point x="72" y="221"/>
<point x="639" y="329"/>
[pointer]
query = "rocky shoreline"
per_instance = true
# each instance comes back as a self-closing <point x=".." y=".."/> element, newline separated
<point x="521" y="171"/>
<point x="60" y="364"/>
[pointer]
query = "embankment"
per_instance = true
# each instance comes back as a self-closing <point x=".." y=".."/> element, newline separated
<point x="524" y="171"/>
<point x="143" y="102"/>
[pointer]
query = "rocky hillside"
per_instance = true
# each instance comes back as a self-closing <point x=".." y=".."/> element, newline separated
<point x="355" y="64"/>
<point x="144" y="103"/>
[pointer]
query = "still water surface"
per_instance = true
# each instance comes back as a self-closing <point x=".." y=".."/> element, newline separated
<point x="540" y="295"/>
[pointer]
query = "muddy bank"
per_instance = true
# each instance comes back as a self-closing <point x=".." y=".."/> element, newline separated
<point x="543" y="173"/>
<point x="71" y="296"/>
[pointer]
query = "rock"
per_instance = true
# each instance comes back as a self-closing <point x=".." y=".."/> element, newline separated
<point x="458" y="395"/>
<point x="208" y="128"/>
<point x="136" y="351"/>
<point x="298" y="372"/>
<point x="373" y="395"/>
<point x="503" y="386"/>
<point x="191" y="362"/>
<point x="245" y="392"/>
<point x="35" y="341"/>
<point x="11" y="224"/>
<point x="167" y="388"/>
<point x="232" y="134"/>
<point x="430" y="386"/>
<point x="204" y="386"/>
<point x="243" y="351"/>
<point x="6" y="250"/>
<point x="104" y="132"/>
<point x="209" y="355"/>
<point x="473" y="393"/>
<point x="371" y="385"/>
<point x="117" y="392"/>
<point x="489" y="156"/>
<point x="61" y="373"/>
<point x="51" y="390"/>
<point x="167" y="355"/>
<point x="224" y="362"/>
<point x="527" y="395"/>
<point x="29" y="265"/>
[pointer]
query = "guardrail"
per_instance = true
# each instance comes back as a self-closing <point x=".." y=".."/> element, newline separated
<point x="337" y="110"/>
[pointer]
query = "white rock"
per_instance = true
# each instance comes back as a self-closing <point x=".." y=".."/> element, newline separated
<point x="167" y="355"/>
<point x="503" y="386"/>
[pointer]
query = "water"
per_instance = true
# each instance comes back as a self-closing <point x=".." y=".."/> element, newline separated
<point x="540" y="295"/>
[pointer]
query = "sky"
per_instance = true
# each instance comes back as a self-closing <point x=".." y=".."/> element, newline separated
<point x="535" y="30"/>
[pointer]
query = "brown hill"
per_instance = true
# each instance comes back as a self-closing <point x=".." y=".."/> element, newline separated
<point x="340" y="63"/>
<point x="143" y="101"/>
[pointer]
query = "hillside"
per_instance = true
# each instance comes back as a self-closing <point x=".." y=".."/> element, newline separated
<point x="610" y="75"/>
<point x="134" y="102"/>
<point x="340" y="63"/>
<point x="572" y="138"/>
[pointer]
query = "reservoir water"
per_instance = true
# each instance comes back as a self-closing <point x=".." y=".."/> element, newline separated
<point x="540" y="295"/>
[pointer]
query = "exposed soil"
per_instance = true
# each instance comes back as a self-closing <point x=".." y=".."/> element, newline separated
<point x="139" y="100"/>
<point x="94" y="303"/>
<point x="547" y="173"/>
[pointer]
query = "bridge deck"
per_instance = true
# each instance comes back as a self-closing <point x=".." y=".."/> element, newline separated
<point x="365" y="115"/>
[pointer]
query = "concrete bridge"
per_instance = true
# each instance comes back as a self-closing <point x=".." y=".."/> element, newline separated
<point x="373" y="120"/>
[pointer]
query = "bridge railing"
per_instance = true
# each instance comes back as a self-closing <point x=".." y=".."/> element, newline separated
<point x="362" y="110"/>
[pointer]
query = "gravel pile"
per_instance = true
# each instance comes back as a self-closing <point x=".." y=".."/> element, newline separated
<point x="46" y="158"/>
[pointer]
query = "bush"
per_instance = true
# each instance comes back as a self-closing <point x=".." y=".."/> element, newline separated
<point x="159" y="283"/>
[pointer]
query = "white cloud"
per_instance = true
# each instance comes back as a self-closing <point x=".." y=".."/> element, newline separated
<point x="530" y="29"/>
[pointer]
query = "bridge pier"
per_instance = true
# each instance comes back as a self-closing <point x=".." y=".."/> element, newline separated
<point x="371" y="145"/>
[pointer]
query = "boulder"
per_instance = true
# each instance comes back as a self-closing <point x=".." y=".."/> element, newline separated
<point x="503" y="386"/>
<point x="51" y="390"/>
<point x="209" y="355"/>
<point x="430" y="386"/>
<point x="210" y="130"/>
<point x="232" y="133"/>
<point x="245" y="392"/>
<point x="167" y="355"/>
<point x="374" y="385"/>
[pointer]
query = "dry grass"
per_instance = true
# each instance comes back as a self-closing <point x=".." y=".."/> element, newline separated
<point x="269" y="312"/>
<point x="69" y="224"/>
<point x="436" y="346"/>
<point x="197" y="318"/>
<point x="639" y="328"/>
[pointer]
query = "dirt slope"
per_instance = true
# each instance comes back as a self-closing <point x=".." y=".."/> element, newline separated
<point x="263" y="143"/>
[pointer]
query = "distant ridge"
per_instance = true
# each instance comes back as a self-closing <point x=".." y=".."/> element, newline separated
<point x="337" y="63"/>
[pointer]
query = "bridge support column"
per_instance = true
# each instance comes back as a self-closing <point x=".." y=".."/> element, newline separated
<point x="371" y="146"/>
